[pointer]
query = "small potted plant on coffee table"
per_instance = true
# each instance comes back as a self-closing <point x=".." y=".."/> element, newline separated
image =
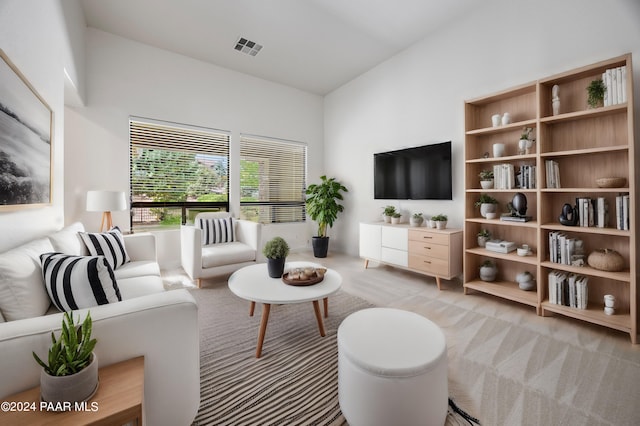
<point x="276" y="251"/>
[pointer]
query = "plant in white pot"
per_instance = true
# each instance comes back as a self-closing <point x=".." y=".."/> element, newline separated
<point x="71" y="371"/>
<point x="395" y="218"/>
<point x="486" y="179"/>
<point x="276" y="251"/>
<point x="416" y="219"/>
<point x="322" y="207"/>
<point x="487" y="204"/>
<point x="440" y="220"/>
<point x="388" y="213"/>
<point x="488" y="270"/>
<point x="483" y="236"/>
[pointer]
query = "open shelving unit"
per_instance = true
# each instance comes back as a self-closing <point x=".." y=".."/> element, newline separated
<point x="587" y="143"/>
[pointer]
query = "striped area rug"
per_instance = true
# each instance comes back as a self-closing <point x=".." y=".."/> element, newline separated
<point x="295" y="382"/>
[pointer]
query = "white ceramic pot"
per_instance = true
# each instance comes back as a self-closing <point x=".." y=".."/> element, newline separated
<point x="498" y="150"/>
<point x="482" y="241"/>
<point x="441" y="224"/>
<point x="488" y="273"/>
<point x="487" y="208"/>
<point x="486" y="184"/>
<point x="495" y="120"/>
<point x="415" y="222"/>
<point x="395" y="220"/>
<point x="386" y="218"/>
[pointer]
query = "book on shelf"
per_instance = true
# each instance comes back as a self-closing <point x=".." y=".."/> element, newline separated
<point x="504" y="176"/>
<point x="566" y="250"/>
<point x="622" y="212"/>
<point x="509" y="218"/>
<point x="615" y="82"/>
<point x="526" y="177"/>
<point x="568" y="289"/>
<point x="552" y="171"/>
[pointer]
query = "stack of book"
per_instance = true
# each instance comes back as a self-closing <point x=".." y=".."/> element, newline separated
<point x="553" y="174"/>
<point x="615" y="80"/>
<point x="504" y="176"/>
<point x="526" y="177"/>
<point x="593" y="212"/>
<point x="622" y="211"/>
<point x="565" y="250"/>
<point x="568" y="289"/>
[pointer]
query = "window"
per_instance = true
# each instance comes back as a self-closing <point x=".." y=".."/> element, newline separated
<point x="176" y="172"/>
<point x="272" y="180"/>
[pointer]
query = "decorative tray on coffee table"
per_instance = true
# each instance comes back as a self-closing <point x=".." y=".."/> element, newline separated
<point x="304" y="276"/>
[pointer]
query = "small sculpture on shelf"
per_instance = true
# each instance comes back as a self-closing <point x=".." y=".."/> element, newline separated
<point x="555" y="99"/>
<point x="569" y="215"/>
<point x="517" y="208"/>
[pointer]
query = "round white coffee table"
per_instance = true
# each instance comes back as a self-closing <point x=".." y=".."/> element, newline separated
<point x="254" y="284"/>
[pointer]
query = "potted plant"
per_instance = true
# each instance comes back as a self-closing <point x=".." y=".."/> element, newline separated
<point x="416" y="219"/>
<point x="487" y="204"/>
<point x="486" y="179"/>
<point x="595" y="93"/>
<point x="440" y="220"/>
<point x="488" y="270"/>
<point x="71" y="371"/>
<point x="395" y="218"/>
<point x="526" y="141"/>
<point x="276" y="251"/>
<point x="323" y="207"/>
<point x="483" y="236"/>
<point x="388" y="213"/>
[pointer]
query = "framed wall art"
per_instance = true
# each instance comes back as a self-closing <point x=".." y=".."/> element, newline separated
<point x="26" y="145"/>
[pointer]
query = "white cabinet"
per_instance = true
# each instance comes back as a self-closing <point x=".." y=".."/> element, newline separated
<point x="370" y="241"/>
<point x="395" y="242"/>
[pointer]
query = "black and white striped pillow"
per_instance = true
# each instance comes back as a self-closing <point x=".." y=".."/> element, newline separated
<point x="76" y="282"/>
<point x="216" y="231"/>
<point x="108" y="244"/>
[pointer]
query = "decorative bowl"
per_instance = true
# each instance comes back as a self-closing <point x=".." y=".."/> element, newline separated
<point x="523" y="251"/>
<point x="611" y="182"/>
<point x="606" y="260"/>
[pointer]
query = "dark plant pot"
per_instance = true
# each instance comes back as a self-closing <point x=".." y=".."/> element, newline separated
<point x="320" y="246"/>
<point x="275" y="267"/>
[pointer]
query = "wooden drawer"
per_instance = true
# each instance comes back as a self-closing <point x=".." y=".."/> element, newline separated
<point x="429" y="265"/>
<point x="433" y="237"/>
<point x="428" y="249"/>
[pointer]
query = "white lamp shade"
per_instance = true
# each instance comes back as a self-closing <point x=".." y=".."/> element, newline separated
<point x="106" y="201"/>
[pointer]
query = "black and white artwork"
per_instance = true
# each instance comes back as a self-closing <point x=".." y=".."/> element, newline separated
<point x="25" y="141"/>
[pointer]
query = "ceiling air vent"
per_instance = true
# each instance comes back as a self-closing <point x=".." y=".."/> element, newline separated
<point x="247" y="46"/>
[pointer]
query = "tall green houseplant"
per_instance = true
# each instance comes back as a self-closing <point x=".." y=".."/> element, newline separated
<point x="323" y="208"/>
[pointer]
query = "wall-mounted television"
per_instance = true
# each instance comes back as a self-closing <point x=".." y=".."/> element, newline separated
<point x="418" y="173"/>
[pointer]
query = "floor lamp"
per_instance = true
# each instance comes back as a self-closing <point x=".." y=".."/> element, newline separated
<point x="106" y="202"/>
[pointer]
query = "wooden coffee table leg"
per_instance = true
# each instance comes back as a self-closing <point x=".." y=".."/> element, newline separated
<point x="325" y="302"/>
<point x="316" y="308"/>
<point x="252" y="308"/>
<point x="263" y="328"/>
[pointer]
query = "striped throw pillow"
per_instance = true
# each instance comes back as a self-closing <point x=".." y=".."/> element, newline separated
<point x="76" y="282"/>
<point x="108" y="244"/>
<point x="215" y="231"/>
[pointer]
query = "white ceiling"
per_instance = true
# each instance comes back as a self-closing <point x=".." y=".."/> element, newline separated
<point x="312" y="45"/>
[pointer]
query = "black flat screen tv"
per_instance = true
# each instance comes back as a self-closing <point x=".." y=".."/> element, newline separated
<point x="419" y="173"/>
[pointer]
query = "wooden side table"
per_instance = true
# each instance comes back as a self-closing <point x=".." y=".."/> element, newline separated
<point x="117" y="401"/>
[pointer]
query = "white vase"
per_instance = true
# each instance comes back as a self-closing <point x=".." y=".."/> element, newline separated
<point x="441" y="224"/>
<point x="486" y="184"/>
<point x="498" y="150"/>
<point x="488" y="273"/>
<point x="386" y="218"/>
<point x="506" y="118"/>
<point x="395" y="220"/>
<point x="495" y="120"/>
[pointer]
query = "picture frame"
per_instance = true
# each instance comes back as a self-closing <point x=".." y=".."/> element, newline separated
<point x="26" y="142"/>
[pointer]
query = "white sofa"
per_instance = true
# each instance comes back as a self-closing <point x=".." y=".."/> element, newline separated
<point x="160" y="325"/>
<point x="206" y="261"/>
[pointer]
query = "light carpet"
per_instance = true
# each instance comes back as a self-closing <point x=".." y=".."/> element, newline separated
<point x="295" y="382"/>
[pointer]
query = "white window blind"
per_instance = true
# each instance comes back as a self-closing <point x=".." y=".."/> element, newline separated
<point x="176" y="167"/>
<point x="272" y="179"/>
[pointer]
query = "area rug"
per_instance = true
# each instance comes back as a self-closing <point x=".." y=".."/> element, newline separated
<point x="295" y="382"/>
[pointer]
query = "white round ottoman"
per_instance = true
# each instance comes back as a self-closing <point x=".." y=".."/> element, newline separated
<point x="392" y="369"/>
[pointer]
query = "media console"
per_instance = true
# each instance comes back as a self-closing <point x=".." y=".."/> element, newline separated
<point x="428" y="251"/>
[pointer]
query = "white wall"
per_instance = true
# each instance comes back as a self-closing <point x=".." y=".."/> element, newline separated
<point x="127" y="78"/>
<point x="34" y="37"/>
<point x="418" y="96"/>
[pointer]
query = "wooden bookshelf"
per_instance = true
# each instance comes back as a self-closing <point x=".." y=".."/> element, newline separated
<point x="587" y="143"/>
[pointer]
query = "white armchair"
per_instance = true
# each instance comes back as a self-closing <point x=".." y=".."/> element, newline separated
<point x="205" y="261"/>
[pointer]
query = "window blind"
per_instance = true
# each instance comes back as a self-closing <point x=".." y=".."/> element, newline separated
<point x="174" y="165"/>
<point x="272" y="179"/>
